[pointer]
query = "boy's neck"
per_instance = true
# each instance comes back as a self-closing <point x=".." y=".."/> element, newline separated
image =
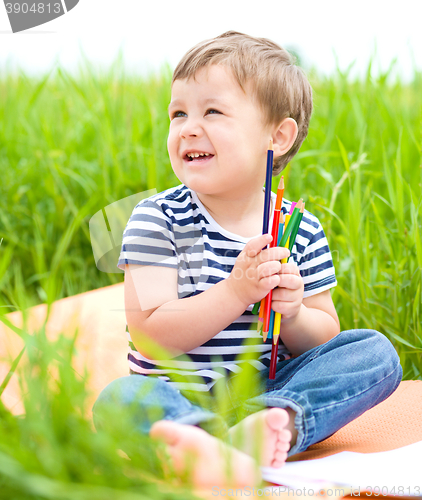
<point x="241" y="216"/>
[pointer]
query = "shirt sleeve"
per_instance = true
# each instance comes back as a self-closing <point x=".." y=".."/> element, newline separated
<point x="148" y="238"/>
<point x="314" y="261"/>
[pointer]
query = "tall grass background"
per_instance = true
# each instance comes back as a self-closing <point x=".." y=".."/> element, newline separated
<point x="72" y="144"/>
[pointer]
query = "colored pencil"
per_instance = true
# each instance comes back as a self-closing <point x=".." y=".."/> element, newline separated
<point x="269" y="334"/>
<point x="274" y="346"/>
<point x="289" y="242"/>
<point x="296" y="227"/>
<point x="288" y="227"/>
<point x="277" y="319"/>
<point x="277" y="316"/>
<point x="260" y="318"/>
<point x="270" y="330"/>
<point x="277" y="324"/>
<point x="283" y="261"/>
<point x="268" y="178"/>
<point x="280" y="228"/>
<point x="267" y="201"/>
<point x="281" y="225"/>
<point x="274" y="233"/>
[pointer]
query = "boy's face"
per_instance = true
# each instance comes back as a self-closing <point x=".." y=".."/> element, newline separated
<point x="211" y="114"/>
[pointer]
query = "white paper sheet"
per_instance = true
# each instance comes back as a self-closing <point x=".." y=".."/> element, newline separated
<point x="395" y="472"/>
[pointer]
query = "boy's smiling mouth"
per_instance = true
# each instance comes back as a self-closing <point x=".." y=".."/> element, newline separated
<point x="197" y="156"/>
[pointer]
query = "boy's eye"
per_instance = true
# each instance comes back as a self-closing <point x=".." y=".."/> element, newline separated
<point x="212" y="111"/>
<point x="178" y="114"/>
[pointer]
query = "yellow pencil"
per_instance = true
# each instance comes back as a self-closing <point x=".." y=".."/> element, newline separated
<point x="277" y="324"/>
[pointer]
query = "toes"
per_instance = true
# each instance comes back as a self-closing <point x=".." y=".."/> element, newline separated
<point x="280" y="456"/>
<point x="283" y="446"/>
<point x="284" y="436"/>
<point x="277" y="418"/>
<point x="276" y="464"/>
<point x="279" y="460"/>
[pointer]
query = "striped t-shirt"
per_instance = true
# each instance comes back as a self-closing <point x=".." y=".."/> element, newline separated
<point x="174" y="229"/>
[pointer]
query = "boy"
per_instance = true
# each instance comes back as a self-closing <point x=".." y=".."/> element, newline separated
<point x="195" y="265"/>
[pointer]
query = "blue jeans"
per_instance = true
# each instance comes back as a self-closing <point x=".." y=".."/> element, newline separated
<point x="327" y="386"/>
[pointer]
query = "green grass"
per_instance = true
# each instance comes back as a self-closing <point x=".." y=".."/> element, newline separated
<point x="70" y="145"/>
<point x="52" y="451"/>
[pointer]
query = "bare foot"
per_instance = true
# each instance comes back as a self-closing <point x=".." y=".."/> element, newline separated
<point x="265" y="436"/>
<point x="208" y="460"/>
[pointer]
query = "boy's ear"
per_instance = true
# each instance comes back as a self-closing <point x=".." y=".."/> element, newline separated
<point x="284" y="136"/>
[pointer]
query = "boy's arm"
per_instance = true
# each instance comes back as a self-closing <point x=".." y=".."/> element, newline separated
<point x="154" y="311"/>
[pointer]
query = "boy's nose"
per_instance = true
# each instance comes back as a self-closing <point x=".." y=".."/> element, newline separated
<point x="191" y="128"/>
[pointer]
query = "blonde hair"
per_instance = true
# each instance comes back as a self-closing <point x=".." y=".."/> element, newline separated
<point x="279" y="86"/>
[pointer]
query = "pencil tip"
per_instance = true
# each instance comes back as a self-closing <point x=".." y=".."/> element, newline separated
<point x="271" y="145"/>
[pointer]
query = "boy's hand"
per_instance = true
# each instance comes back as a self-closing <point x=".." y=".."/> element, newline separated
<point x="288" y="296"/>
<point x="256" y="271"/>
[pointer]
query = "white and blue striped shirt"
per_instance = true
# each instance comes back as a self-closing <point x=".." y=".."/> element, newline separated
<point x="174" y="229"/>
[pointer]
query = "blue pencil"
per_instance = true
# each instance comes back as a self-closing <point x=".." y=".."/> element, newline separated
<point x="267" y="201"/>
<point x="271" y="328"/>
<point x="268" y="178"/>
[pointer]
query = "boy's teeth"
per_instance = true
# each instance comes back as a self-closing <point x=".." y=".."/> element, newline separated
<point x="196" y="155"/>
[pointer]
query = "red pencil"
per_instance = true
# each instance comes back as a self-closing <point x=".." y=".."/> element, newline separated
<point x="274" y="357"/>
